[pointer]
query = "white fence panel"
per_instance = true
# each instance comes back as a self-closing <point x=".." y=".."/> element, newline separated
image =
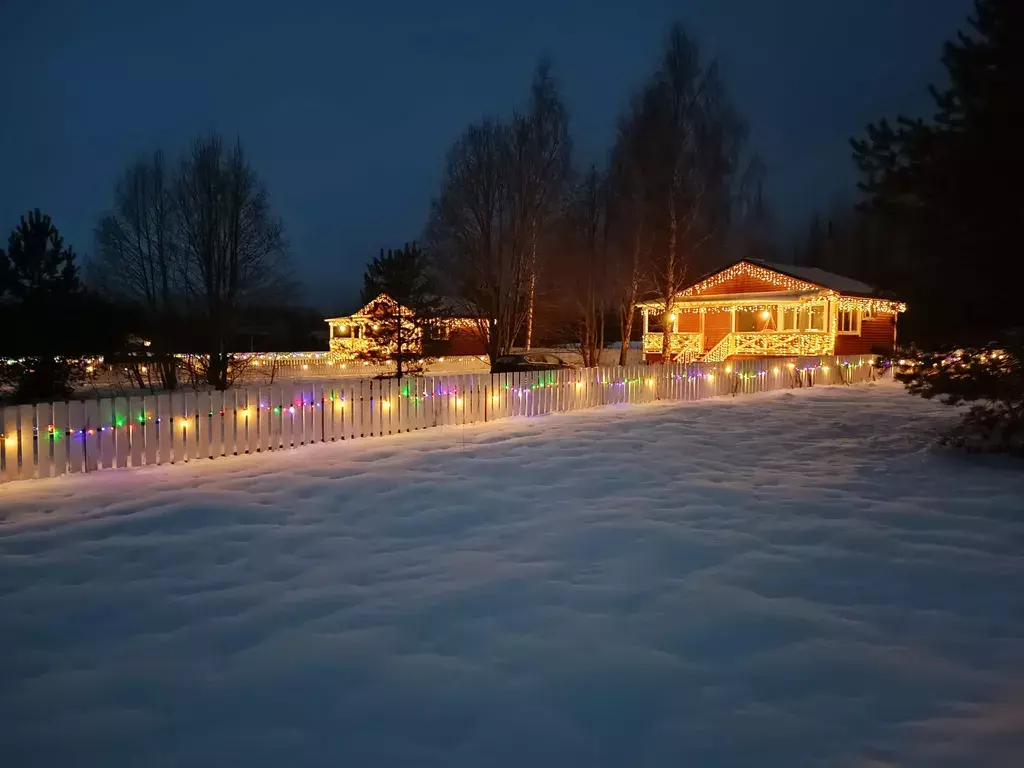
<point x="53" y="439"/>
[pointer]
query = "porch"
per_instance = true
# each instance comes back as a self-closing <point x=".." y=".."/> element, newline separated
<point x="781" y="324"/>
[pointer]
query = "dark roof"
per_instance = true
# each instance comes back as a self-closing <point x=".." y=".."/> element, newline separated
<point x="820" y="277"/>
<point x="845" y="285"/>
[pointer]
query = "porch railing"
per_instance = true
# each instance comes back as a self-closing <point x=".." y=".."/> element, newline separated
<point x="782" y="343"/>
<point x="683" y="347"/>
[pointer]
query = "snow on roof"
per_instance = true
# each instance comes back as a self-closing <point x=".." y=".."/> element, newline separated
<point x="819" y="277"/>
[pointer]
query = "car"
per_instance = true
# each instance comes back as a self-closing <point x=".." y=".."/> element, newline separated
<point x="530" y="361"/>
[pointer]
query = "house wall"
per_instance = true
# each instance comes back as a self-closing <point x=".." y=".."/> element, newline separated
<point x="466" y="343"/>
<point x="874" y="333"/>
<point x="740" y="284"/>
<point x="459" y="343"/>
<point x="717" y="325"/>
<point x="689" y="322"/>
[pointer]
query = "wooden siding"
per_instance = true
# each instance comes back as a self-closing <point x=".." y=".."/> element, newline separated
<point x="689" y="322"/>
<point x="876" y="333"/>
<point x="716" y="326"/>
<point x="740" y="284"/>
<point x="460" y="343"/>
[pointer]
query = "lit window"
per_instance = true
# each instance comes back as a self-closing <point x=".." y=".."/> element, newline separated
<point x="813" y="318"/>
<point x="788" y="319"/>
<point x="849" y="321"/>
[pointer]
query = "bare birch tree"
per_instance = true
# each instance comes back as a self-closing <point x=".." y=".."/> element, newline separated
<point x="633" y="214"/>
<point x="232" y="247"/>
<point x="544" y="166"/>
<point x="699" y="137"/>
<point x="585" y="278"/>
<point x="474" y="238"/>
<point x="137" y="261"/>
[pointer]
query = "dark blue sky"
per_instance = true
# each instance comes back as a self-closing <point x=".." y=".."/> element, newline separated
<point x="347" y="109"/>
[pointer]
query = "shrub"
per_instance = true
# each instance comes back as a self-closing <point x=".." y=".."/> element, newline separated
<point x="990" y="379"/>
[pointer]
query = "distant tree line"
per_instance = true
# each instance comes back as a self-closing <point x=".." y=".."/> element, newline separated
<point x="189" y="259"/>
<point x="537" y="247"/>
<point x="191" y="245"/>
<point x="941" y="191"/>
<point x="47" y="316"/>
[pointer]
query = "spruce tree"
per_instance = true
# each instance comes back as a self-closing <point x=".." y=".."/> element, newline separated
<point x="942" y="187"/>
<point x="404" y="320"/>
<point x="41" y="293"/>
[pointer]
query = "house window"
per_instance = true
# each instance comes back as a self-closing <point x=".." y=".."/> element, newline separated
<point x="849" y="321"/>
<point x="813" y="318"/>
<point x="788" y="319"/>
<point x="439" y="331"/>
<point x="746" y="321"/>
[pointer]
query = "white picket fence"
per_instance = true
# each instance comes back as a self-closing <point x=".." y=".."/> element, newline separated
<point x="54" y="439"/>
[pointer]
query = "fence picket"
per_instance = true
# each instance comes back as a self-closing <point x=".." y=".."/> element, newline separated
<point x="92" y="435"/>
<point x="120" y="432"/>
<point x="203" y="419"/>
<point x="105" y="433"/>
<point x="45" y="430"/>
<point x="364" y="419"/>
<point x="233" y="416"/>
<point x="148" y="429"/>
<point x="135" y="413"/>
<point x="217" y="414"/>
<point x="257" y="421"/>
<point x="177" y="427"/>
<point x="27" y="442"/>
<point x="164" y="430"/>
<point x="61" y="438"/>
<point x="191" y="434"/>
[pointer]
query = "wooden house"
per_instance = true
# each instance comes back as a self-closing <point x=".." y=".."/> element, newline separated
<point x="446" y="335"/>
<point x="753" y="309"/>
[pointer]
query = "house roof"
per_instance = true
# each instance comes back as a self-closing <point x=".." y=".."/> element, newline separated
<point x="820" y="277"/>
<point x="800" y="279"/>
<point x="447" y="306"/>
<point x="737" y="298"/>
<point x="749" y="297"/>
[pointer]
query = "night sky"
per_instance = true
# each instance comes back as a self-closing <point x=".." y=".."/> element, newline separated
<point x="347" y="109"/>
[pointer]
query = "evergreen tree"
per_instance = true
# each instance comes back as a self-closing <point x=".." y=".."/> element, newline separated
<point x="41" y="297"/>
<point x="36" y="265"/>
<point x="406" y="318"/>
<point x="990" y="380"/>
<point x="942" y="187"/>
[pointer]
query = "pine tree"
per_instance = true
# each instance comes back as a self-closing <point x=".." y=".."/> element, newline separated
<point x="405" y="317"/>
<point x="40" y="291"/>
<point x="942" y="187"/>
<point x="36" y="266"/>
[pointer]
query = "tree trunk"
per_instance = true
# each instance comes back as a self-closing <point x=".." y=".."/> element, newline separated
<point x="628" y="307"/>
<point x="533" y="287"/>
<point x="670" y="283"/>
<point x="626" y="325"/>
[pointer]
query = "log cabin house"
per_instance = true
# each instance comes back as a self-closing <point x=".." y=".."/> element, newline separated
<point x="754" y="309"/>
<point x="446" y="335"/>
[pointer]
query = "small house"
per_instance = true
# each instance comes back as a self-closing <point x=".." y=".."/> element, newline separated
<point x="755" y="309"/>
<point x="445" y="335"/>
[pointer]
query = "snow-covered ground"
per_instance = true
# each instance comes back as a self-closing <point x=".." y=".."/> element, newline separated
<point x="781" y="580"/>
